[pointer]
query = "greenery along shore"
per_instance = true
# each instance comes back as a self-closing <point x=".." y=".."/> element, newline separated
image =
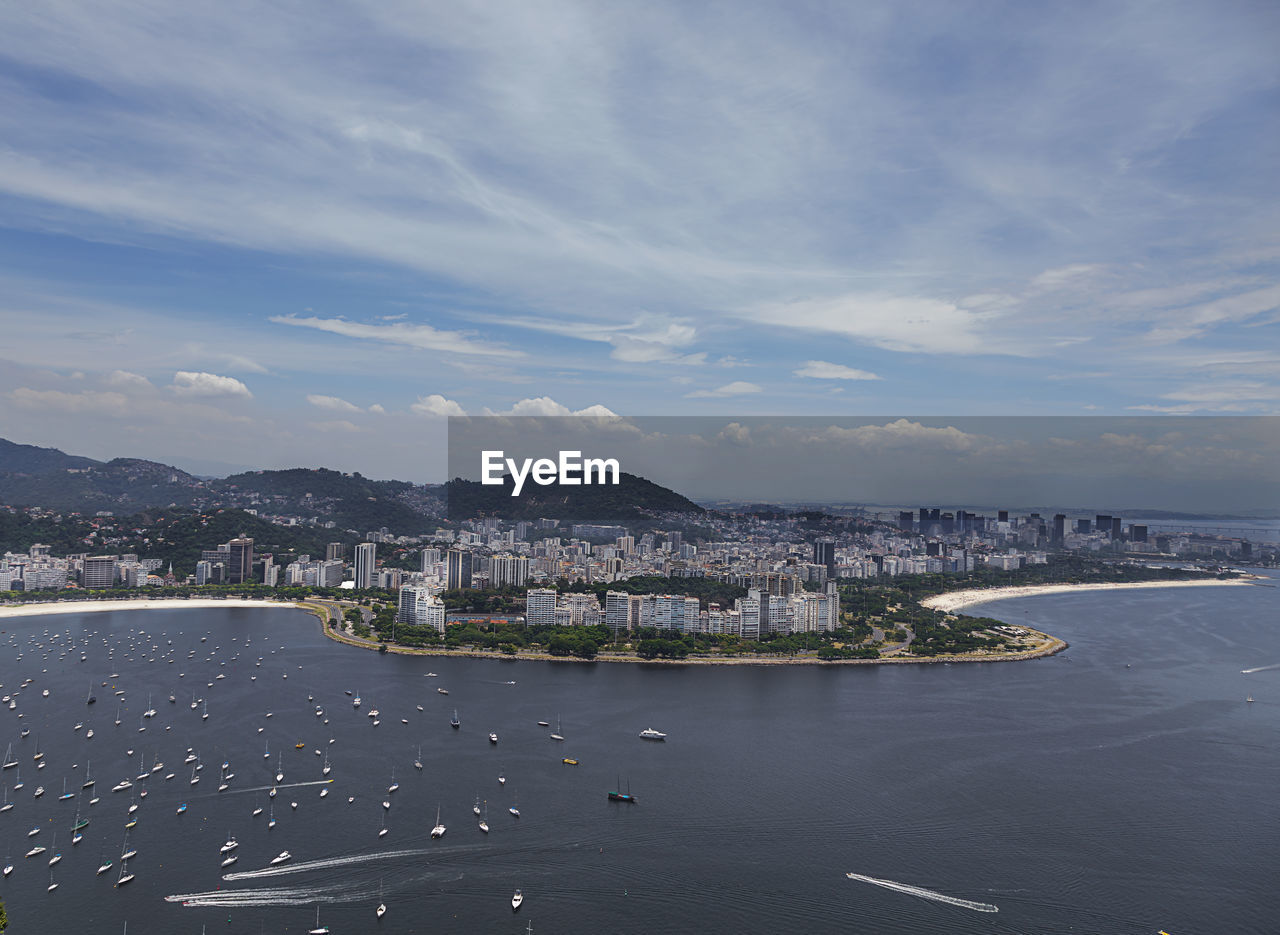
<point x="879" y="618"/>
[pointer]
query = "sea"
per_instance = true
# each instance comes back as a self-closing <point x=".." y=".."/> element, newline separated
<point x="1125" y="785"/>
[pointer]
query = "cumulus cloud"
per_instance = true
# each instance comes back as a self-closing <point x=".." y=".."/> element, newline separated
<point x="736" y="388"/>
<point x="546" y="406"/>
<point x="198" y="383"/>
<point x="437" y="405"/>
<point x="332" y="402"/>
<point x="823" y="370"/>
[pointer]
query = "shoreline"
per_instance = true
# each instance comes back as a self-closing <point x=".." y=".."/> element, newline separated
<point x="952" y="601"/>
<point x="46" y="608"/>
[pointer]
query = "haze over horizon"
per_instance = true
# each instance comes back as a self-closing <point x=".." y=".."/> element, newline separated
<point x="249" y="236"/>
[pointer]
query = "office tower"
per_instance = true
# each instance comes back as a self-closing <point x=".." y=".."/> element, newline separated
<point x="824" y="553"/>
<point x="457" y="570"/>
<point x="1116" y="528"/>
<point x="1059" y="528"/>
<point x="1102" y="523"/>
<point x="1138" y="533"/>
<point x="540" y="607"/>
<point x="366" y="559"/>
<point x="99" y="572"/>
<point x="674" y="541"/>
<point x="905" y="521"/>
<point x="335" y="551"/>
<point x="1083" y="526"/>
<point x="1002" y="516"/>
<point x="240" y="570"/>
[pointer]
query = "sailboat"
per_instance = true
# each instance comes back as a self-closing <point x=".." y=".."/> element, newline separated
<point x="382" y="907"/>
<point x="125" y="875"/>
<point x="65" y="794"/>
<point x="103" y="864"/>
<point x="394" y="785"/>
<point x="52" y="886"/>
<point x="38" y="756"/>
<point x="325" y="770"/>
<point x="319" y="930"/>
<point x="90" y="699"/>
<point x="383" y="831"/>
<point x="205" y="715"/>
<point x="88" y="780"/>
<point x="271" y="816"/>
<point x="57" y="855"/>
<point x="484" y="821"/>
<point x="7" y="804"/>
<point x="439" y="830"/>
<point x="513" y="809"/>
<point x="280" y="768"/>
<point x="557" y="735"/>
<point x="10" y="760"/>
<point x="118" y="707"/>
<point x="475" y="809"/>
<point x="454" y="722"/>
<point x="417" y="764"/>
<point x="618" y="796"/>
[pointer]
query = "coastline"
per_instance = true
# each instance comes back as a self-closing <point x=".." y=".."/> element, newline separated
<point x="955" y="600"/>
<point x="45" y="608"/>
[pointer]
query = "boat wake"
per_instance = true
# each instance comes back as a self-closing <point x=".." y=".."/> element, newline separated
<point x="283" y="785"/>
<point x="325" y="863"/>
<point x="1260" y="669"/>
<point x="925" y="894"/>
<point x="278" y="896"/>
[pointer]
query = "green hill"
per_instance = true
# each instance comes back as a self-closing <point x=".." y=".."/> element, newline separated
<point x="632" y="498"/>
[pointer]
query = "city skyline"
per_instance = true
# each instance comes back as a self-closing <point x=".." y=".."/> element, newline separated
<point x="254" y="241"/>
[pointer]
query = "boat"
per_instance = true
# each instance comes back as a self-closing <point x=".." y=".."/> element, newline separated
<point x="65" y="794"/>
<point x="39" y="791"/>
<point x="443" y="691"/>
<point x="454" y="722"/>
<point x="10" y="760"/>
<point x="35" y="851"/>
<point x="484" y="820"/>
<point x="382" y="907"/>
<point x="52" y="886"/>
<point x="618" y="796"/>
<point x="104" y="865"/>
<point x="271" y="817"/>
<point x="355" y="702"/>
<point x="89" y="781"/>
<point x="326" y="769"/>
<point x="516" y="899"/>
<point x="475" y="809"/>
<point x="181" y="808"/>
<point x="382" y="832"/>
<point x="439" y="830"/>
<point x="544" y="724"/>
<point x="557" y="735"/>
<point x="231" y="844"/>
<point x="229" y="860"/>
<point x="417" y="764"/>
<point x="493" y="737"/>
<point x="280" y="858"/>
<point x="299" y="745"/>
<point x="125" y="875"/>
<point x="57" y="855"/>
<point x="569" y="761"/>
<point x="319" y="929"/>
<point x="650" y="734"/>
<point x="394" y="785"/>
<point x="7" y="804"/>
<point x="280" y="767"/>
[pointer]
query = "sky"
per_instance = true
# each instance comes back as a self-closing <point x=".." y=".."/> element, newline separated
<point x="268" y="235"/>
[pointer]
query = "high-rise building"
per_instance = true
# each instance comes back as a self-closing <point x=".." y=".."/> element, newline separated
<point x="335" y="550"/>
<point x="457" y="569"/>
<point x="508" y="570"/>
<point x="241" y="568"/>
<point x="1059" y="528"/>
<point x="824" y="553"/>
<point x="540" y="607"/>
<point x="99" y="572"/>
<point x="617" y="611"/>
<point x="905" y="522"/>
<point x="1138" y="533"/>
<point x="1002" y="516"/>
<point x="366" y="559"/>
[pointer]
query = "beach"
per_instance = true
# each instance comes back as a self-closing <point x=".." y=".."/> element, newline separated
<point x="38" y="609"/>
<point x="955" y="600"/>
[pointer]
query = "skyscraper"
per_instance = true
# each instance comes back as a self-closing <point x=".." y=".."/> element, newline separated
<point x="334" y="550"/>
<point x="366" y="559"/>
<point x="457" y="570"/>
<point x="241" y="568"/>
<point x="824" y="553"/>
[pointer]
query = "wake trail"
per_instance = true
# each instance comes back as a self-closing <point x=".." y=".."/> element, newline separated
<point x="925" y="894"/>
<point x="323" y="864"/>
<point x="1260" y="669"/>
<point x="283" y="785"/>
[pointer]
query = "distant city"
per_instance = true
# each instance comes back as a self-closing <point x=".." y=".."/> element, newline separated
<point x="788" y="563"/>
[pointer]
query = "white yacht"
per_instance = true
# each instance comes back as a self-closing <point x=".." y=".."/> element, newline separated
<point x="650" y="734"/>
<point x="439" y="830"/>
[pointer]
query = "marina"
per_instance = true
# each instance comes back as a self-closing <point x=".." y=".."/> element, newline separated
<point x="577" y="834"/>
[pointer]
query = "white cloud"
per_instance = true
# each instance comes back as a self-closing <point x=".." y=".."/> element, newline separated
<point x="127" y="380"/>
<point x="437" y="405"/>
<point x="423" y="337"/>
<point x="546" y="406"/>
<point x="736" y="388"/>
<point x="377" y="409"/>
<point x="198" y="383"/>
<point x="823" y="370"/>
<point x="116" y="404"/>
<point x="332" y="402"/>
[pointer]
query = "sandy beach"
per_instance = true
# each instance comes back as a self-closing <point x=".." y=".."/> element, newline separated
<point x="39" y="609"/>
<point x="956" y="600"/>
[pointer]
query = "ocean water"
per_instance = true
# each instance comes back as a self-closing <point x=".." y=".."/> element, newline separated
<point x="1123" y="786"/>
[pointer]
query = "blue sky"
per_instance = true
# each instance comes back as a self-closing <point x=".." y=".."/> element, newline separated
<point x="269" y="235"/>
